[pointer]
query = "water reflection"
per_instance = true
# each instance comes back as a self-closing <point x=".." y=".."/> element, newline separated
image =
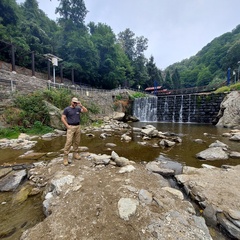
<point x="183" y="153"/>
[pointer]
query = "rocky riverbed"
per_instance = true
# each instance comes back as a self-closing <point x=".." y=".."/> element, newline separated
<point x="110" y="197"/>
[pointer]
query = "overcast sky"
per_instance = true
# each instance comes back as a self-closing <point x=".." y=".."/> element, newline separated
<point x="175" y="29"/>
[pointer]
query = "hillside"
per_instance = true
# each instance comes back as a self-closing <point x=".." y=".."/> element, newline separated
<point x="211" y="63"/>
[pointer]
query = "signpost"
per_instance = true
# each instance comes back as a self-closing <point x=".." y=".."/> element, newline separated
<point x="54" y="60"/>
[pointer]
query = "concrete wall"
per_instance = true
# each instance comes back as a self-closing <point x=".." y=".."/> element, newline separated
<point x="199" y="108"/>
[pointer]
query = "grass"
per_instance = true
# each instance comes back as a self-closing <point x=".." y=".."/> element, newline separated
<point x="14" y="132"/>
<point x="9" y="133"/>
<point x="233" y="87"/>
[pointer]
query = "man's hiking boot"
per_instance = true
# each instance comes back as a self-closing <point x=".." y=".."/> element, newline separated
<point x="76" y="156"/>
<point x="65" y="160"/>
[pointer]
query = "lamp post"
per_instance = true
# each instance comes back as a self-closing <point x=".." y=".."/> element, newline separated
<point x="234" y="74"/>
<point x="54" y="61"/>
<point x="228" y="75"/>
<point x="238" y="69"/>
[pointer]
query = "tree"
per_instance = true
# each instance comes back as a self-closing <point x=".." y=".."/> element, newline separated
<point x="168" y="81"/>
<point x="133" y="47"/>
<point x="204" y="77"/>
<point x="141" y="45"/>
<point x="72" y="14"/>
<point x="9" y="12"/>
<point x="113" y="64"/>
<point x="127" y="42"/>
<point x="140" y="72"/>
<point x="154" y="73"/>
<point x="176" y="79"/>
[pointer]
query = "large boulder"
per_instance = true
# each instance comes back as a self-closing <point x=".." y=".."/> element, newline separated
<point x="55" y="116"/>
<point x="229" y="111"/>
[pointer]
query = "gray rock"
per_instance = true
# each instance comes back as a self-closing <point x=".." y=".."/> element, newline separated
<point x="155" y="168"/>
<point x="135" y="129"/>
<point x="11" y="181"/>
<point x="213" y="153"/>
<point x="232" y="229"/>
<point x="235" y="137"/>
<point x="59" y="181"/>
<point x="111" y="145"/>
<point x="114" y="155"/>
<point x="174" y="191"/>
<point x="209" y="213"/>
<point x="127" y="207"/>
<point x="121" y="161"/>
<point x="4" y="171"/>
<point x="151" y="132"/>
<point x="228" y="109"/>
<point x="145" y="196"/>
<point x="118" y="116"/>
<point x="198" y="141"/>
<point x="218" y="144"/>
<point x="128" y="168"/>
<point x="55" y="116"/>
<point x="126" y="138"/>
<point x="166" y="143"/>
<point x="234" y="154"/>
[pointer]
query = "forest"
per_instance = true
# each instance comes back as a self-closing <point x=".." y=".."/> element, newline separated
<point x="100" y="58"/>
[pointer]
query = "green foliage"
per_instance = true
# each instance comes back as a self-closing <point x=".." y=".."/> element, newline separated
<point x="154" y="74"/>
<point x="235" y="86"/>
<point x="223" y="89"/>
<point x="85" y="119"/>
<point x="32" y="109"/>
<point x="12" y="133"/>
<point x="211" y="62"/>
<point x="232" y="87"/>
<point x="138" y="95"/>
<point x="9" y="133"/>
<point x="97" y="123"/>
<point x="38" y="129"/>
<point x="72" y="14"/>
<point x="101" y="58"/>
<point x="58" y="97"/>
<point x="118" y="97"/>
<point x="93" y="108"/>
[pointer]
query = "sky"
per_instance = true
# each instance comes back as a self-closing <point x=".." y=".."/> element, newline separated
<point x="175" y="29"/>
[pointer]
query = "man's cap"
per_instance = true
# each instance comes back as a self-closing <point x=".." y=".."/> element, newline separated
<point x="75" y="100"/>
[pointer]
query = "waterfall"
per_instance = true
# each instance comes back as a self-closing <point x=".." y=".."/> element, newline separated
<point x="189" y="108"/>
<point x="165" y="110"/>
<point x="197" y="108"/>
<point x="174" y="106"/>
<point x="145" y="109"/>
<point x="181" y="110"/>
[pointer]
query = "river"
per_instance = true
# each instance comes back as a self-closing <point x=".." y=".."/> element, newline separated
<point x="184" y="153"/>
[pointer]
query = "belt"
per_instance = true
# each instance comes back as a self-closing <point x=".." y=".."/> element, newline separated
<point x="74" y="124"/>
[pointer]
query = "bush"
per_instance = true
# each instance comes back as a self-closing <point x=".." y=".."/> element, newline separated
<point x="223" y="89"/>
<point x="9" y="133"/>
<point x="235" y="86"/>
<point x="138" y="95"/>
<point x="58" y="97"/>
<point x="93" y="108"/>
<point x="32" y="110"/>
<point x="38" y="128"/>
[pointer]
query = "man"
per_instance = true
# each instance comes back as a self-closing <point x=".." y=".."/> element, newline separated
<point x="71" y="119"/>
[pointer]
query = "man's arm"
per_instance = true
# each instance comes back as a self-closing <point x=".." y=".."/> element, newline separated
<point x="83" y="109"/>
<point x="64" y="120"/>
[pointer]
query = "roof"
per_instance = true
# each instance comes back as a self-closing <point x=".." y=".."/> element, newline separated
<point x="153" y="88"/>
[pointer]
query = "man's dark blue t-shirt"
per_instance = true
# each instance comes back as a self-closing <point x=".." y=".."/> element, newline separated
<point x="73" y="115"/>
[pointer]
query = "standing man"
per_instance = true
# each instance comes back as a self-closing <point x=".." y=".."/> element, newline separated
<point x="71" y="119"/>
